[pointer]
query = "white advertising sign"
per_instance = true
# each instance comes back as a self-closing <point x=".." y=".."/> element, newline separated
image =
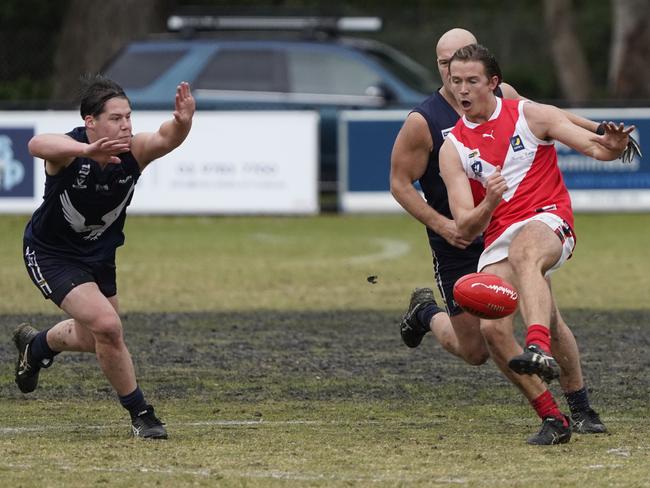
<point x="231" y="163"/>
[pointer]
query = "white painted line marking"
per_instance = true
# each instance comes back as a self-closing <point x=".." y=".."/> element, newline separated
<point x="390" y="249"/>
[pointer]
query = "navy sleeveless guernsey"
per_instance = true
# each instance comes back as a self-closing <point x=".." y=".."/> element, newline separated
<point x="84" y="207"/>
<point x="441" y="118"/>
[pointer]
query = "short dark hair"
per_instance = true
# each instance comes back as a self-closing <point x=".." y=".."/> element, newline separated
<point x="477" y="52"/>
<point x="95" y="91"/>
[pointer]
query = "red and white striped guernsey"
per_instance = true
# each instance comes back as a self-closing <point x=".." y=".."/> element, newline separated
<point x="528" y="164"/>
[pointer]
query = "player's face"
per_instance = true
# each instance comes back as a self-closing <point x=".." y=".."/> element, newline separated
<point x="114" y="122"/>
<point x="472" y="88"/>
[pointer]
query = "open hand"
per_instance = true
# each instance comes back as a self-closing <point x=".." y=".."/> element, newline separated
<point x="614" y="137"/>
<point x="105" y="150"/>
<point x="184" y="105"/>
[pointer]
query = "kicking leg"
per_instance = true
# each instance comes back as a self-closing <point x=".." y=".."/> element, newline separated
<point x="534" y="250"/>
<point x="502" y="344"/>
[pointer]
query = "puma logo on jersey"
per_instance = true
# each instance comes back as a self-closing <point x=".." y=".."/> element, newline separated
<point x="489" y="135"/>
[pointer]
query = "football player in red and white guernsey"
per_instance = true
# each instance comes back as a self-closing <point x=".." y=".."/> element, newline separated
<point x="522" y="205"/>
<point x="415" y="157"/>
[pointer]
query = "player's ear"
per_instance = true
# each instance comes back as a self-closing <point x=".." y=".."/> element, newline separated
<point x="494" y="82"/>
<point x="89" y="122"/>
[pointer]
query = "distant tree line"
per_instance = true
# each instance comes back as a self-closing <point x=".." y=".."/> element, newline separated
<point x="571" y="52"/>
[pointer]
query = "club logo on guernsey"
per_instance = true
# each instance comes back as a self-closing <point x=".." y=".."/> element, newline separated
<point x="77" y="220"/>
<point x="475" y="163"/>
<point x="516" y="143"/>
<point x="80" y="182"/>
<point x="477" y="168"/>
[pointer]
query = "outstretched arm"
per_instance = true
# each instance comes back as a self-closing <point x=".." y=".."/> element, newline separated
<point x="148" y="146"/>
<point x="510" y="93"/>
<point x="549" y="122"/>
<point x="59" y="150"/>
<point x="631" y="151"/>
<point x="471" y="220"/>
<point x="408" y="163"/>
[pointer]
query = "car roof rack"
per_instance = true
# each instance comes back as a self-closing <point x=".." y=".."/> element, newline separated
<point x="329" y="25"/>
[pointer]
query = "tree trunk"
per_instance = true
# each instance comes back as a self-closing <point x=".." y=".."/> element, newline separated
<point x="94" y="31"/>
<point x="569" y="58"/>
<point x="629" y="67"/>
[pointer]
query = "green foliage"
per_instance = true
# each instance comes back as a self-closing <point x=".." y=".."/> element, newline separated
<point x="595" y="36"/>
<point x="17" y="15"/>
<point x="24" y="88"/>
<point x="28" y="34"/>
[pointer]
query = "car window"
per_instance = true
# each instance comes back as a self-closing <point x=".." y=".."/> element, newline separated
<point x="404" y="68"/>
<point x="138" y="69"/>
<point x="329" y="73"/>
<point x="262" y="70"/>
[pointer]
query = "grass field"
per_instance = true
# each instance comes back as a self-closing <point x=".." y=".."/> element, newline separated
<point x="274" y="362"/>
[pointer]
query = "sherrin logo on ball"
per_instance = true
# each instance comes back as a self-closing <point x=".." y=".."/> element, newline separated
<point x="486" y="295"/>
<point x="506" y="290"/>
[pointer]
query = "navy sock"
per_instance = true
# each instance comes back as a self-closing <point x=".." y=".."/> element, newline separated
<point x="426" y="313"/>
<point x="134" y="402"/>
<point x="578" y="400"/>
<point x="39" y="348"/>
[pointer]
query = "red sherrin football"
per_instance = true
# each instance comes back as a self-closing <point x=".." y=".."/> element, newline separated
<point x="485" y="295"/>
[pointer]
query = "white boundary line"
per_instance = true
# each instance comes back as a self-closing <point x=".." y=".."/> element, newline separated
<point x="215" y="471"/>
<point x="10" y="430"/>
<point x="389" y="249"/>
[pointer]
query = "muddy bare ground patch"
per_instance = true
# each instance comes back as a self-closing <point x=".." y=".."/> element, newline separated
<point x="324" y="355"/>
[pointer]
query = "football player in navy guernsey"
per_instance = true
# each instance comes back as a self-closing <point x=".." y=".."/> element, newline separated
<point x="415" y="157"/>
<point x="70" y="241"/>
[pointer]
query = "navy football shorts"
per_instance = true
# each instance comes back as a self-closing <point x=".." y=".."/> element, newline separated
<point x="450" y="264"/>
<point x="56" y="276"/>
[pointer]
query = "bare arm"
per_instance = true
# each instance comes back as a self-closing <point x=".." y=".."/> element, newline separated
<point x="471" y="220"/>
<point x="408" y="163"/>
<point x="59" y="150"/>
<point x="148" y="146"/>
<point x="549" y="122"/>
<point x="509" y="92"/>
